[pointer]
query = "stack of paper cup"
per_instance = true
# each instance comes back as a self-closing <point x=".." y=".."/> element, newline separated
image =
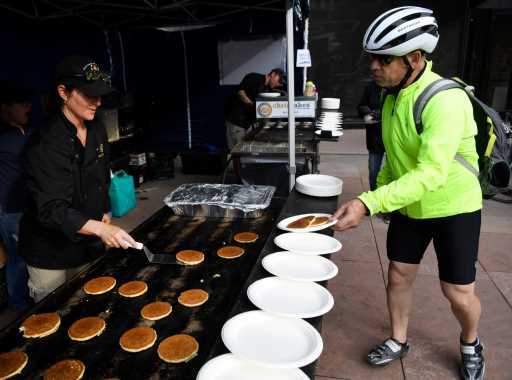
<point x="330" y="103"/>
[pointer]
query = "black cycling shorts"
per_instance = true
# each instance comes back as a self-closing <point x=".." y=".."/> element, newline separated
<point x="455" y="241"/>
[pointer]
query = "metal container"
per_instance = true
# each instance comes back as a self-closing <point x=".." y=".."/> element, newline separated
<point x="220" y="201"/>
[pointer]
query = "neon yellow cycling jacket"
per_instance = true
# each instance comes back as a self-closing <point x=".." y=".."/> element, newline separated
<point x="420" y="176"/>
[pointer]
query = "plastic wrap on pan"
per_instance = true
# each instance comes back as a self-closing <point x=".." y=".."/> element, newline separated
<point x="219" y="200"/>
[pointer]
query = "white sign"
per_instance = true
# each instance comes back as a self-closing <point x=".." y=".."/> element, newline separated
<point x="303" y="58"/>
<point x="268" y="109"/>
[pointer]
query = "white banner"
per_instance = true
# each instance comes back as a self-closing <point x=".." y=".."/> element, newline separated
<point x="268" y="109"/>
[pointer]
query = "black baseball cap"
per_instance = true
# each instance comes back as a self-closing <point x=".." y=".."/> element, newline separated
<point x="84" y="74"/>
<point x="11" y="92"/>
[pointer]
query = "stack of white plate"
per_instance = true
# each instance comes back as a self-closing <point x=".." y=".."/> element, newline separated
<point x="330" y="103"/>
<point x="331" y="122"/>
<point x="319" y="185"/>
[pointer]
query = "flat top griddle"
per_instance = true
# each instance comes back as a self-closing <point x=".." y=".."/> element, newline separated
<point x="164" y="232"/>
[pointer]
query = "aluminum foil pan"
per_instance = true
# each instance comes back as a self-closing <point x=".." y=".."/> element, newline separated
<point x="219" y="200"/>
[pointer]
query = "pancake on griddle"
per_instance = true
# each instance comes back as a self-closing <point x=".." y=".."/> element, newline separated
<point x="12" y="363"/>
<point x="301" y="222"/>
<point x="99" y="285"/>
<point x="86" y="328"/>
<point x="156" y="310"/>
<point x="178" y="348"/>
<point x="246" y="237"/>
<point x="40" y="325"/>
<point x="230" y="252"/>
<point x="190" y="257"/>
<point x="133" y="289"/>
<point x="138" y="339"/>
<point x="319" y="220"/>
<point x="69" y="369"/>
<point x="193" y="297"/>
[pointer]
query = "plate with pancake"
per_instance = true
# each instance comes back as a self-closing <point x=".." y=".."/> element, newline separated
<point x="272" y="341"/>
<point x="229" y="367"/>
<point x="307" y="243"/>
<point x="306" y="222"/>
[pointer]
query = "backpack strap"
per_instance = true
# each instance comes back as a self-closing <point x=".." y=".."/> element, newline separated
<point x="427" y="94"/>
<point x="461" y="160"/>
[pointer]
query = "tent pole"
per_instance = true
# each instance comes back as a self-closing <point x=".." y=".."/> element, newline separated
<point x="291" y="95"/>
<point x="187" y="90"/>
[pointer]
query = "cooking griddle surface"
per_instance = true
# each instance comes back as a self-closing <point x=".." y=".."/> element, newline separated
<point x="222" y="279"/>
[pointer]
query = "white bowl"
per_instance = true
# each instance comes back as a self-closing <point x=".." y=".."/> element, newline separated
<point x="319" y="185"/>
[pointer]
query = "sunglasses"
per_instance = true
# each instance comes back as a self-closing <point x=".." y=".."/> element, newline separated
<point x="91" y="73"/>
<point x="384" y="60"/>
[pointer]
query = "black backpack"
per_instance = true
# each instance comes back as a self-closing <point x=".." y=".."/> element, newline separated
<point x="494" y="151"/>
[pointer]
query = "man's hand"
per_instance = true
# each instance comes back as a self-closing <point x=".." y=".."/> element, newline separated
<point x="243" y="96"/>
<point x="349" y="215"/>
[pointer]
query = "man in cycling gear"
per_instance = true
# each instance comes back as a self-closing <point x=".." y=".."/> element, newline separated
<point x="431" y="196"/>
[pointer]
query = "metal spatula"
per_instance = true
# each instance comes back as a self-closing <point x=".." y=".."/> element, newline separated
<point x="157" y="258"/>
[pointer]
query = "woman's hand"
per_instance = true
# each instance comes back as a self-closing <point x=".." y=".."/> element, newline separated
<point x="106" y="218"/>
<point x="113" y="236"/>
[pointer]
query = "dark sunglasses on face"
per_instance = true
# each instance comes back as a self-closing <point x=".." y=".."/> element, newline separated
<point x="384" y="60"/>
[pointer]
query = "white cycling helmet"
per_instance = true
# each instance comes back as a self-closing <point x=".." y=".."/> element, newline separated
<point x="402" y="30"/>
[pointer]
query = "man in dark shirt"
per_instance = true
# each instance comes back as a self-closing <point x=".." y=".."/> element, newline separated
<point x="240" y="107"/>
<point x="369" y="110"/>
<point x="15" y="108"/>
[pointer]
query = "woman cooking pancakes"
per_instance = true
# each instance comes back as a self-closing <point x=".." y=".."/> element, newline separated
<point x="68" y="175"/>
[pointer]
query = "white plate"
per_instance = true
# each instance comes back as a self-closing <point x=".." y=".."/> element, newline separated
<point x="272" y="341"/>
<point x="329" y="127"/>
<point x="270" y="94"/>
<point x="307" y="243"/>
<point x="334" y="133"/>
<point x="293" y="266"/>
<point x="319" y="185"/>
<point x="283" y="223"/>
<point x="229" y="367"/>
<point x="288" y="298"/>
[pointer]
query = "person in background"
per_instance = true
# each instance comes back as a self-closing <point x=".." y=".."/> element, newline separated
<point x="66" y="223"/>
<point x="240" y="110"/>
<point x="429" y="183"/>
<point x="369" y="110"/>
<point x="15" y="107"/>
